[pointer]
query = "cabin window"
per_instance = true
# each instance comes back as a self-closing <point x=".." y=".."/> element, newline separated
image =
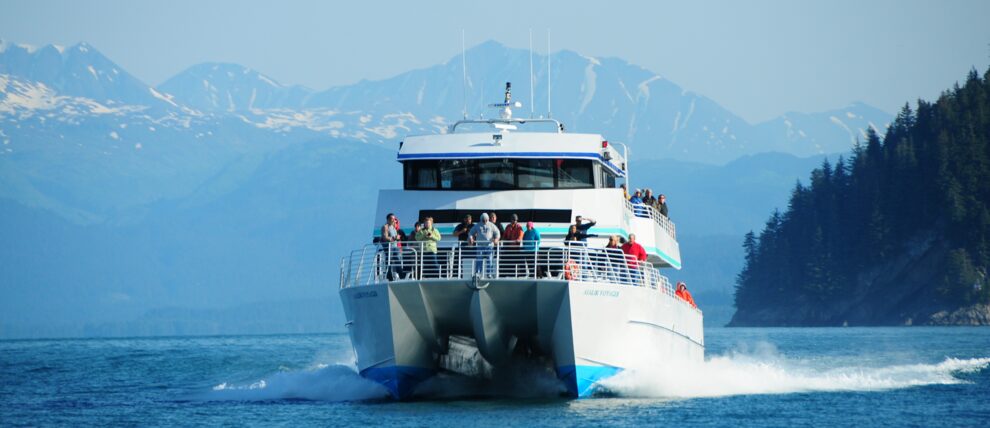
<point x="608" y="179"/>
<point x="496" y="174"/>
<point x="574" y="173"/>
<point x="421" y="175"/>
<point x="457" y="174"/>
<point x="535" y="173"/>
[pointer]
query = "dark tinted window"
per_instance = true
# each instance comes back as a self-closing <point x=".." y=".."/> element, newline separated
<point x="489" y="174"/>
<point x="574" y="173"/>
<point x="457" y="174"/>
<point x="504" y="215"/>
<point x="534" y="173"/>
<point x="608" y="178"/>
<point x="496" y="174"/>
<point x="421" y="175"/>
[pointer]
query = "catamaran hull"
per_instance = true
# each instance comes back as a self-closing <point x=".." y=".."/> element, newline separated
<point x="590" y="331"/>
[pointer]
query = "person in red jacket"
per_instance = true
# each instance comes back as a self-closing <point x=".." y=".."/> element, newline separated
<point x="684" y="294"/>
<point x="635" y="254"/>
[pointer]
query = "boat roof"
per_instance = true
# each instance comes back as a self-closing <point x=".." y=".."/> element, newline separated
<point x="524" y="145"/>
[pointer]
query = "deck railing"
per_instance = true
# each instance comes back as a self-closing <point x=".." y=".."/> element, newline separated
<point x="646" y="211"/>
<point x="574" y="261"/>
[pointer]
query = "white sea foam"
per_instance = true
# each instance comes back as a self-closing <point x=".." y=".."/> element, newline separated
<point x="324" y="383"/>
<point x="767" y="372"/>
<point x="757" y="369"/>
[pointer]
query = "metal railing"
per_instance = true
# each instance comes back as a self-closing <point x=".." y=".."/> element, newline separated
<point x="557" y="260"/>
<point x="646" y="211"/>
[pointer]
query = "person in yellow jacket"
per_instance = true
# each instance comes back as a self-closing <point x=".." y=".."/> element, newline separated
<point x="429" y="237"/>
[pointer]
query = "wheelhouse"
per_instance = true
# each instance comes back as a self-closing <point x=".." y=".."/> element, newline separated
<point x="510" y="161"/>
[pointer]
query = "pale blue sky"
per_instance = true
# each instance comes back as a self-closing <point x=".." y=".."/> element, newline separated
<point x="757" y="58"/>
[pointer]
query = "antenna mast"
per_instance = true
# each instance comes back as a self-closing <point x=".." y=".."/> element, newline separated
<point x="464" y="72"/>
<point x="549" y="115"/>
<point x="532" y="80"/>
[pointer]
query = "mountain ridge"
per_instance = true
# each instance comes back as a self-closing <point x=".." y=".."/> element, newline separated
<point x="608" y="95"/>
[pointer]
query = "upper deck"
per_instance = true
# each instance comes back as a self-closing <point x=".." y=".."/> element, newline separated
<point x="506" y="166"/>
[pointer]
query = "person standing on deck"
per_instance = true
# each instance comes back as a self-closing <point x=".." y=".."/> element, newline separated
<point x="429" y="236"/>
<point x="637" y="198"/>
<point x="464" y="228"/>
<point x="486" y="236"/>
<point x="582" y="227"/>
<point x="494" y="220"/>
<point x="616" y="258"/>
<point x="531" y="244"/>
<point x="511" y="240"/>
<point x="662" y="205"/>
<point x="635" y="254"/>
<point x="648" y="198"/>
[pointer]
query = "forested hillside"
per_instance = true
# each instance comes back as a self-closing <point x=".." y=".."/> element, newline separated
<point x="898" y="232"/>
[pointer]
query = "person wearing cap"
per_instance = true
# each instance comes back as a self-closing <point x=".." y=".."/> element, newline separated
<point x="513" y="234"/>
<point x="511" y="240"/>
<point x="530" y="245"/>
<point x="637" y="197"/>
<point x="486" y="236"/>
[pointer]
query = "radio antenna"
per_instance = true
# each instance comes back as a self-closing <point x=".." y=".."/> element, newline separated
<point x="464" y="72"/>
<point x="532" y="80"/>
<point x="549" y="115"/>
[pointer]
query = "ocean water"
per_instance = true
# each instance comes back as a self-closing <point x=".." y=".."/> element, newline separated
<point x="751" y="377"/>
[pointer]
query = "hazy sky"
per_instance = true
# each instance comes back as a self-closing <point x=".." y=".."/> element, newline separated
<point x="757" y="58"/>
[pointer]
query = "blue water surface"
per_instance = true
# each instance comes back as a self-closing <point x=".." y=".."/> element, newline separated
<point x="752" y="377"/>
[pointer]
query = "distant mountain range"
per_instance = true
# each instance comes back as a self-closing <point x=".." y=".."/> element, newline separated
<point x="223" y="188"/>
<point x="625" y="102"/>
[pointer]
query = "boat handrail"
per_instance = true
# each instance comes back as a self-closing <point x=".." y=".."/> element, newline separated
<point x="533" y="260"/>
<point x="646" y="211"/>
<point x="559" y="126"/>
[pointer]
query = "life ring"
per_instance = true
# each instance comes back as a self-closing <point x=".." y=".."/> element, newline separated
<point x="571" y="270"/>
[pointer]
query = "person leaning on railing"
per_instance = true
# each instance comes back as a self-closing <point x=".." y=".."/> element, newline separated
<point x="486" y="235"/>
<point x="429" y="236"/>
<point x="636" y="254"/>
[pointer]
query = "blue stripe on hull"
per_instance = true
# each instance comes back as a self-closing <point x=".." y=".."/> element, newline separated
<point x="582" y="381"/>
<point x="401" y="381"/>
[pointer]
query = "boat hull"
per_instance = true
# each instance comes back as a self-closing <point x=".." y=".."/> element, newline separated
<point x="589" y="331"/>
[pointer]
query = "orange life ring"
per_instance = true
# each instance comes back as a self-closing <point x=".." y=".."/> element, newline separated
<point x="571" y="269"/>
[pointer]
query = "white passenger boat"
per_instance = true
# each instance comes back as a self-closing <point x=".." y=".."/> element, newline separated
<point x="583" y="311"/>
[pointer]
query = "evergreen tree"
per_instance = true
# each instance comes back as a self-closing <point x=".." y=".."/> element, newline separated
<point x="930" y="173"/>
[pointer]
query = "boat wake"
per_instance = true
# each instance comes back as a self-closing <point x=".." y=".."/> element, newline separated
<point x="767" y="372"/>
<point x="325" y="382"/>
<point x="763" y="371"/>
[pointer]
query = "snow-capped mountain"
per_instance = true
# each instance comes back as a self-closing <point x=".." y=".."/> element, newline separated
<point x="625" y="102"/>
<point x="825" y="132"/>
<point x="231" y="87"/>
<point x="79" y="71"/>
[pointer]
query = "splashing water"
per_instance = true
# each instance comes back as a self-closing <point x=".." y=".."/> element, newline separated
<point x="767" y="372"/>
<point x="760" y="370"/>
<point x="324" y="383"/>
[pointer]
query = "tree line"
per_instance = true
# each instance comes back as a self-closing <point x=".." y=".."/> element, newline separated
<point x="928" y="177"/>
